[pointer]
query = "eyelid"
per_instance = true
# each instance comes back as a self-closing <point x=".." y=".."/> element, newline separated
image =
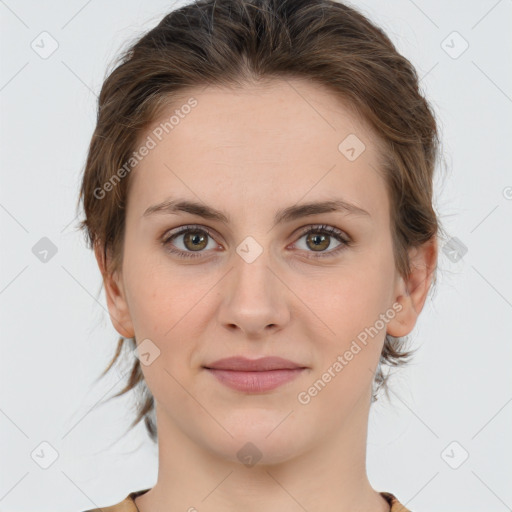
<point x="170" y="233"/>
<point x="324" y="227"/>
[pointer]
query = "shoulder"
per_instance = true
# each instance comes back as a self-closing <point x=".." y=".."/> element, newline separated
<point x="396" y="506"/>
<point x="123" y="506"/>
<point x="126" y="505"/>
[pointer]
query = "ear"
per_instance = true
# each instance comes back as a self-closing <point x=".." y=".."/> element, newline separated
<point x="411" y="293"/>
<point x="116" y="298"/>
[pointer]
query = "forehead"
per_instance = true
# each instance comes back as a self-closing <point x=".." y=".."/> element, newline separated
<point x="292" y="136"/>
<point x="298" y="107"/>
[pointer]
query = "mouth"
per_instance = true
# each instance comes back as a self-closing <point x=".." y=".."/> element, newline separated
<point x="254" y="375"/>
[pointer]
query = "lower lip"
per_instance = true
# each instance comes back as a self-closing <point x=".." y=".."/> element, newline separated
<point x="255" y="382"/>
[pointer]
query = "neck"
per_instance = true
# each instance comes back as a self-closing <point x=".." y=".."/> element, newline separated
<point x="330" y="475"/>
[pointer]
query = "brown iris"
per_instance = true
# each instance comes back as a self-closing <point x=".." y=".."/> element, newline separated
<point x="198" y="240"/>
<point x="320" y="245"/>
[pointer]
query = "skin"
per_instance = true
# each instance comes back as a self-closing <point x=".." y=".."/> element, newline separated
<point x="250" y="152"/>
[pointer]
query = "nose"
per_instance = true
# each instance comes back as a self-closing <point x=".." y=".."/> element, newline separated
<point x="255" y="299"/>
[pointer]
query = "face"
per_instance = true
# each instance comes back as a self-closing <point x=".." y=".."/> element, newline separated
<point x="263" y="277"/>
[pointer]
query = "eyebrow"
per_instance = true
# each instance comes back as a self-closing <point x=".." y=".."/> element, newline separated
<point x="173" y="206"/>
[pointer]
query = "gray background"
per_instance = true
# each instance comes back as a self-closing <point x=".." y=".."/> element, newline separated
<point x="56" y="337"/>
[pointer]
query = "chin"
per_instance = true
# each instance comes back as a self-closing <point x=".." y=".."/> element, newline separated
<point x="259" y="439"/>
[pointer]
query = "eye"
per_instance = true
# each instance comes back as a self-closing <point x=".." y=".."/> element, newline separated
<point x="195" y="241"/>
<point x="319" y="238"/>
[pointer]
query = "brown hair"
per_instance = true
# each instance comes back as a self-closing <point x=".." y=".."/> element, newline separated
<point x="232" y="42"/>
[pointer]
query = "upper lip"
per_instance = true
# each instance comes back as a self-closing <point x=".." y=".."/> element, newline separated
<point x="253" y="365"/>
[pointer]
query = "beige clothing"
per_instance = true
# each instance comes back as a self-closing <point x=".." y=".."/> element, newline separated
<point x="128" y="504"/>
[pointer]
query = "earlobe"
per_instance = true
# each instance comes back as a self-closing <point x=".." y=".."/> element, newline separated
<point x="411" y="292"/>
<point x="115" y="296"/>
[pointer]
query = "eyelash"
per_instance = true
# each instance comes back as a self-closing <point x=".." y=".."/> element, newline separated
<point x="319" y="229"/>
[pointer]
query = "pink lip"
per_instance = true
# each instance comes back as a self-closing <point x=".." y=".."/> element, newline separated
<point x="253" y="365"/>
<point x="254" y="375"/>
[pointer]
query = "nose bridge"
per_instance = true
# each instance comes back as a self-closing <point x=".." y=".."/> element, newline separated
<point x="252" y="278"/>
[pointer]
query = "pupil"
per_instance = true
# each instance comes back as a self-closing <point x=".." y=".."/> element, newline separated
<point x="319" y="241"/>
<point x="196" y="239"/>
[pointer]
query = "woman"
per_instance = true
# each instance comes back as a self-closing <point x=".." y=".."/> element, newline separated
<point x="258" y="194"/>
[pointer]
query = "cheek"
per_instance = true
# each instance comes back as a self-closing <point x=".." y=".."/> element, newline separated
<point x="162" y="311"/>
<point x="167" y="306"/>
<point x="348" y="356"/>
<point x="351" y="305"/>
<point x="161" y="295"/>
